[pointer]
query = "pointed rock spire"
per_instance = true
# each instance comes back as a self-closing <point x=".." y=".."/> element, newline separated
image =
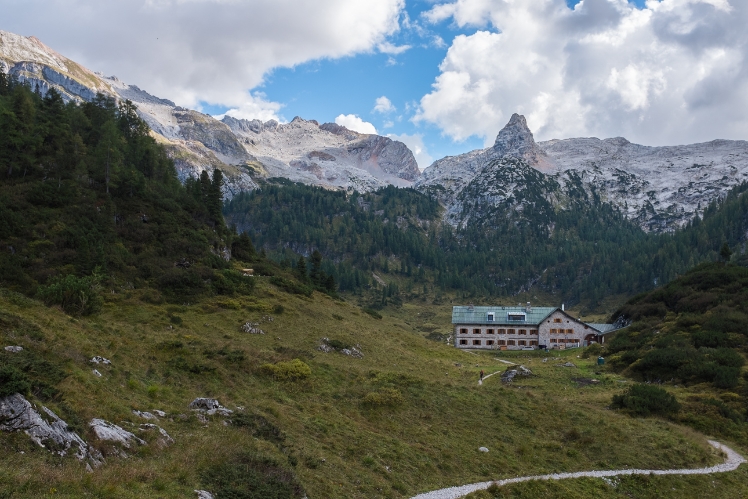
<point x="515" y="140"/>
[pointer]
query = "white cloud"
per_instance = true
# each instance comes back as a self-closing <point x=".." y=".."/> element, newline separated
<point x="204" y="50"/>
<point x="417" y="147"/>
<point x="391" y="49"/>
<point x="383" y="105"/>
<point x="353" y="122"/>
<point x="673" y="72"/>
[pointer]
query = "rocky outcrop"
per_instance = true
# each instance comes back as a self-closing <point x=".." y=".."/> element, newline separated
<point x="515" y="140"/>
<point x="49" y="431"/>
<point x="111" y="433"/>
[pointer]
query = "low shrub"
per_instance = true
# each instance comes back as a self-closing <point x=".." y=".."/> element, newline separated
<point x="643" y="400"/>
<point x="259" y="426"/>
<point x="13" y="381"/>
<point x="292" y="287"/>
<point x="293" y="370"/>
<point x="386" y="397"/>
<point x="251" y="476"/>
<point x="76" y="295"/>
<point x="594" y="350"/>
<point x="373" y="313"/>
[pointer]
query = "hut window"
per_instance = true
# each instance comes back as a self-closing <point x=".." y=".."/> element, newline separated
<point x="490" y="316"/>
<point x="476" y="331"/>
<point x="476" y="342"/>
<point x="556" y="320"/>
<point x="510" y="331"/>
<point x="463" y="342"/>
<point x="533" y="331"/>
<point x="522" y="343"/>
<point x="489" y="331"/>
<point x="510" y="342"/>
<point x="463" y="330"/>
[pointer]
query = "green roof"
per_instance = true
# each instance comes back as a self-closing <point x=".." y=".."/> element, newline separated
<point x="479" y="315"/>
<point x="604" y="328"/>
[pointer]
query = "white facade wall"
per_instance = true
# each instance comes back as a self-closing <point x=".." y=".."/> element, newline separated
<point x="478" y="336"/>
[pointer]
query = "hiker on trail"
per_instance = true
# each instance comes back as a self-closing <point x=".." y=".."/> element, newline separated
<point x="481" y="374"/>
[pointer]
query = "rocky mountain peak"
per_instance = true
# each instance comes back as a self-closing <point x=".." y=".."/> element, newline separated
<point x="516" y="140"/>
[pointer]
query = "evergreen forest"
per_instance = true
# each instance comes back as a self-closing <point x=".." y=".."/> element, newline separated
<point x="582" y="253"/>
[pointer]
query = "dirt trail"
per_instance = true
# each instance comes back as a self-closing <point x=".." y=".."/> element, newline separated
<point x="731" y="463"/>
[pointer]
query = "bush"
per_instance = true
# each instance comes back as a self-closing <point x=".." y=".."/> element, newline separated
<point x="76" y="295"/>
<point x="250" y="476"/>
<point x="643" y="400"/>
<point x="594" y="350"/>
<point x="13" y="381"/>
<point x="373" y="313"/>
<point x="291" y="286"/>
<point x="386" y="397"/>
<point x="259" y="426"/>
<point x="292" y="370"/>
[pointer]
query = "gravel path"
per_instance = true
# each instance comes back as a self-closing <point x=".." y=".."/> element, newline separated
<point x="731" y="463"/>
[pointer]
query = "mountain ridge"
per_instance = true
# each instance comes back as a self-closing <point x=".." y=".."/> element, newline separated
<point x="661" y="188"/>
<point x="197" y="141"/>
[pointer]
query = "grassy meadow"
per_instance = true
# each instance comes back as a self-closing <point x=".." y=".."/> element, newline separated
<point x="406" y="418"/>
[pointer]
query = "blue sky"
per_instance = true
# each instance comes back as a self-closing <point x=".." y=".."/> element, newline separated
<point x="325" y="88"/>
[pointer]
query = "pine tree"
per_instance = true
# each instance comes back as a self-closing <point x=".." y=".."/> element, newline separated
<point x="301" y="270"/>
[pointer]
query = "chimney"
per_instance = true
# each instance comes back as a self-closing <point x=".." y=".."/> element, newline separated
<point x="562" y="307"/>
<point x="528" y="308"/>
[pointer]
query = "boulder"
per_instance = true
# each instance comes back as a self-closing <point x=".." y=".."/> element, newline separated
<point x="110" y="432"/>
<point x="209" y="406"/>
<point x="18" y="414"/>
<point x="483" y="449"/>
<point x="204" y="494"/>
<point x="100" y="360"/>
<point x="13" y="349"/>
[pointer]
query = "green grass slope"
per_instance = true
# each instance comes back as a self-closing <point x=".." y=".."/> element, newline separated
<point x="407" y="417"/>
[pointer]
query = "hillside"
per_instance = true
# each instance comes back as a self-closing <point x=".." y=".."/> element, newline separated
<point x="378" y="426"/>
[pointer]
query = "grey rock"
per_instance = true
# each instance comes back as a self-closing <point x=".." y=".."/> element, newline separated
<point x="110" y="432"/>
<point x="158" y="413"/>
<point x="13" y="349"/>
<point x="204" y="494"/>
<point x="18" y="414"/>
<point x="210" y="407"/>
<point x="144" y="415"/>
<point x="483" y="449"/>
<point x="514" y="371"/>
<point x="100" y="360"/>
<point x="96" y="373"/>
<point x="164" y="439"/>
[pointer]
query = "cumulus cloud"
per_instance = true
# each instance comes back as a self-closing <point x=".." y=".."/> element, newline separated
<point x="673" y="72"/>
<point x="353" y="122"/>
<point x="383" y="105"/>
<point x="417" y="147"/>
<point x="213" y="51"/>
